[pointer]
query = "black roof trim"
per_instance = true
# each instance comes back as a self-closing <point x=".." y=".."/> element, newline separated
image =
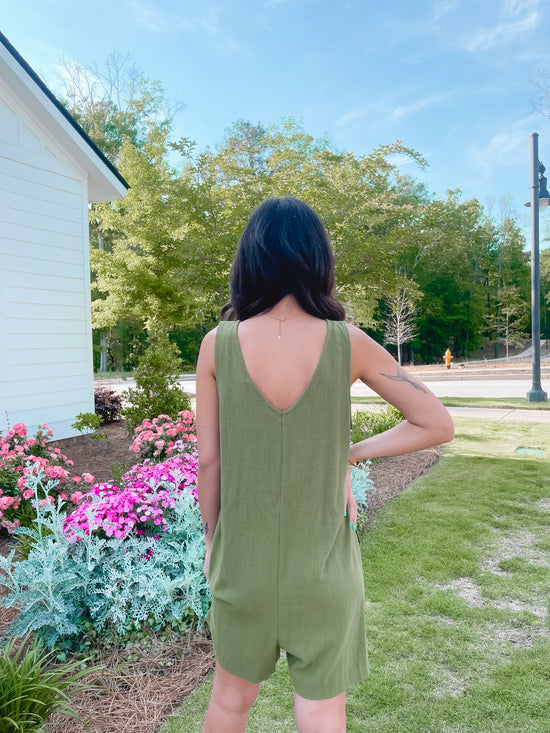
<point x="67" y="115"/>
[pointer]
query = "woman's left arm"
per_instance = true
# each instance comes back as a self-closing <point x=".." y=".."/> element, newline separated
<point x="427" y="422"/>
<point x="208" y="442"/>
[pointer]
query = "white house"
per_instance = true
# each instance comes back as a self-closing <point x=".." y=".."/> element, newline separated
<point x="49" y="172"/>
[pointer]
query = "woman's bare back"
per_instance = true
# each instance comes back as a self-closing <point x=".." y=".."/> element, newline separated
<point x="281" y="356"/>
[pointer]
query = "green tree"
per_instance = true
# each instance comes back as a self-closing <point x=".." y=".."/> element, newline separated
<point x="157" y="391"/>
<point x="446" y="258"/>
<point x="147" y="274"/>
<point x="114" y="102"/>
<point x="510" y="319"/>
<point x="367" y="208"/>
<point x="507" y="269"/>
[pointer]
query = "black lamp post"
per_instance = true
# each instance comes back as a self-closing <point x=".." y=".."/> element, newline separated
<point x="540" y="198"/>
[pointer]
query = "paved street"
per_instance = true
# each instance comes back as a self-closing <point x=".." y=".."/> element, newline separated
<point x="451" y="384"/>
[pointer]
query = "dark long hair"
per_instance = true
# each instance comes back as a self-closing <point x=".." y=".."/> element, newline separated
<point x="283" y="250"/>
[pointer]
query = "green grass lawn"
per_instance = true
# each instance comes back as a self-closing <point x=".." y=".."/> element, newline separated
<point x="499" y="403"/>
<point x="457" y="575"/>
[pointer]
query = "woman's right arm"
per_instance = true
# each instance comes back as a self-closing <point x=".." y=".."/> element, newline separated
<point x="208" y="442"/>
<point x="427" y="422"/>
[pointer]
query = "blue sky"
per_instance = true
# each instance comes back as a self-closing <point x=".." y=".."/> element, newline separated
<point x="451" y="78"/>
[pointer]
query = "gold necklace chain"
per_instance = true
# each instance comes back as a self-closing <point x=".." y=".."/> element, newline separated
<point x="281" y="319"/>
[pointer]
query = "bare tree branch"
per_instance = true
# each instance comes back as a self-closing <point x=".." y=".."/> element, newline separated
<point x="400" y="321"/>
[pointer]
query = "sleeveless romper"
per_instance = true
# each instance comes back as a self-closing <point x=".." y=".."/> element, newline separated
<point x="285" y="567"/>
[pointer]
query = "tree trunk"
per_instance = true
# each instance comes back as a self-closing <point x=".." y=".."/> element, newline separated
<point x="103" y="336"/>
<point x="103" y="356"/>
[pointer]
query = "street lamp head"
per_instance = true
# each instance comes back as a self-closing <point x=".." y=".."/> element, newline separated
<point x="544" y="196"/>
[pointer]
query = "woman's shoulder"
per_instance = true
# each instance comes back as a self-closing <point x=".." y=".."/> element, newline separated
<point x="209" y="341"/>
<point x="360" y="340"/>
<point x="355" y="333"/>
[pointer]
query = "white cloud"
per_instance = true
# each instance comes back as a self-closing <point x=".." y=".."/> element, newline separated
<point x="504" y="33"/>
<point x="443" y="8"/>
<point x="409" y="109"/>
<point x="508" y="147"/>
<point x="518" y="7"/>
<point x="207" y="21"/>
<point x="157" y="21"/>
<point x="358" y="112"/>
<point x="386" y="109"/>
<point x="518" y="18"/>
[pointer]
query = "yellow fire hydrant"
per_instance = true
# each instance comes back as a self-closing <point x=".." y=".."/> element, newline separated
<point x="447" y="357"/>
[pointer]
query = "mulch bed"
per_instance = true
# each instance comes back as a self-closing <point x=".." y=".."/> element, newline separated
<point x="141" y="686"/>
<point x="138" y="688"/>
<point x="99" y="456"/>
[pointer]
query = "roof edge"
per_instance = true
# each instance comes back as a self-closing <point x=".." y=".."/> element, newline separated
<point x="66" y="114"/>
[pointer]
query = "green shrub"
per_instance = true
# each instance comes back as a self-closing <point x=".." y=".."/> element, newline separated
<point x="31" y="689"/>
<point x="366" y="423"/>
<point x="156" y="391"/>
<point x="86" y="422"/>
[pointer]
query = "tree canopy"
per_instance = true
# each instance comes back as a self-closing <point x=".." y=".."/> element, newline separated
<point x="161" y="256"/>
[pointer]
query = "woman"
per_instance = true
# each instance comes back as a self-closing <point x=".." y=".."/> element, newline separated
<point x="273" y="423"/>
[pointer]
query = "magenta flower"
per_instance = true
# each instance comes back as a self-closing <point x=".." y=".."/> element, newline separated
<point x="142" y="505"/>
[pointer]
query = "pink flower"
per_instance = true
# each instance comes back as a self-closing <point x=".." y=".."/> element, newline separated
<point x="76" y="479"/>
<point x="88" y="478"/>
<point x="28" y="493"/>
<point x="76" y="497"/>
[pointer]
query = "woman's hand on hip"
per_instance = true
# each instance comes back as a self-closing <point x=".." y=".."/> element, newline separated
<point x="350" y="511"/>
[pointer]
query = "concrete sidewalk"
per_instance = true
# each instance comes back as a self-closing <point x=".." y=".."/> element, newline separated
<point x="484" y="413"/>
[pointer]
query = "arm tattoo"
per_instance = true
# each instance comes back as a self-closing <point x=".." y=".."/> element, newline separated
<point x="206" y="529"/>
<point x="402" y="376"/>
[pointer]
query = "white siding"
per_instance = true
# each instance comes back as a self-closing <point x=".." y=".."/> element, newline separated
<point x="45" y="329"/>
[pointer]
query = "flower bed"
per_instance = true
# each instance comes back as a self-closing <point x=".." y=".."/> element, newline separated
<point x="143" y="503"/>
<point x="19" y="457"/>
<point x="125" y="561"/>
<point x="162" y="437"/>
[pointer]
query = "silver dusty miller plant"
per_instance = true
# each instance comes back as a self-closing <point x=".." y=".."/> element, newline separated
<point x="111" y="585"/>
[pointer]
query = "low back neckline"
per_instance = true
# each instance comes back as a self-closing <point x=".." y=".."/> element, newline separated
<point x="307" y="386"/>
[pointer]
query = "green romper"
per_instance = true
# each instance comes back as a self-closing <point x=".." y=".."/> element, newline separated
<point x="285" y="568"/>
